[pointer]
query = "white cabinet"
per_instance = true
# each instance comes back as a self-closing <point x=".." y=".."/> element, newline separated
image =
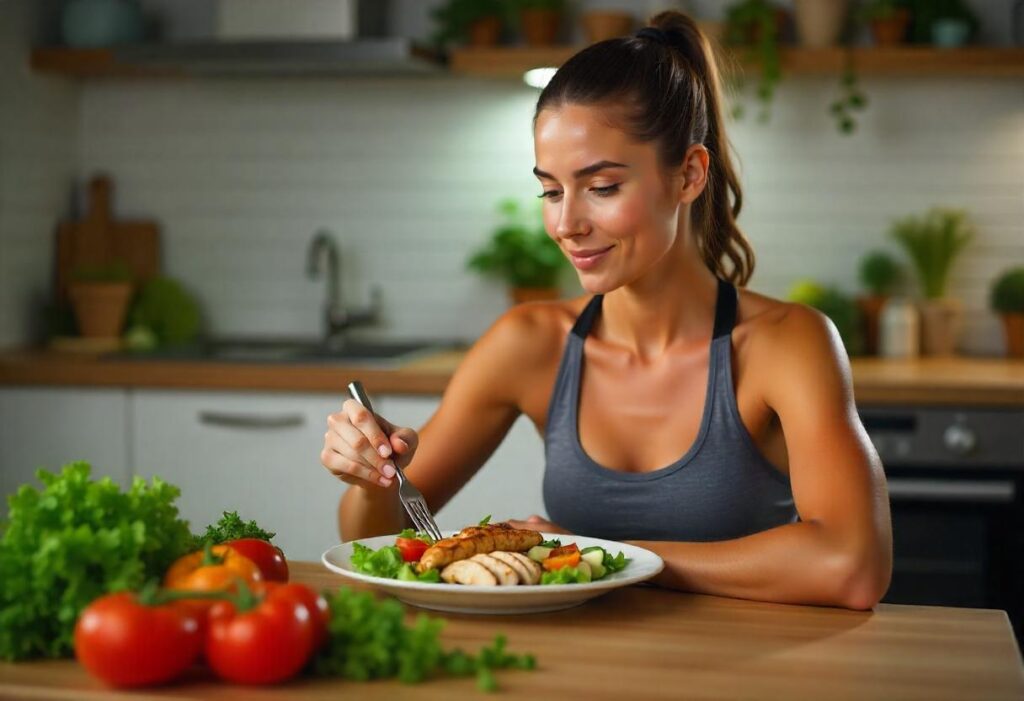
<point x="507" y="486"/>
<point x="48" y="427"/>
<point x="255" y="453"/>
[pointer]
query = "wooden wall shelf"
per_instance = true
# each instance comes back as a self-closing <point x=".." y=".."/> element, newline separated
<point x="900" y="61"/>
<point x="511" y="62"/>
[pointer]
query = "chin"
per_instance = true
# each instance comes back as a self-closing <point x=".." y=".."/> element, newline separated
<point x="598" y="284"/>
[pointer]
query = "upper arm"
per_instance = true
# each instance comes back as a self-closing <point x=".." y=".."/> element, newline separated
<point x="836" y="476"/>
<point x="481" y="402"/>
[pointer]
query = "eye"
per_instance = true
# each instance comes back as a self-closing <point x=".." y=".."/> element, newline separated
<point x="548" y="194"/>
<point x="605" y="191"/>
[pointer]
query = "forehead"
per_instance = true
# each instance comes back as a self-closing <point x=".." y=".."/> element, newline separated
<point x="571" y="136"/>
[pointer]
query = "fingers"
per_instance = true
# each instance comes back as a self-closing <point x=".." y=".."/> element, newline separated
<point x="369" y="425"/>
<point x="351" y="455"/>
<point x="404" y="441"/>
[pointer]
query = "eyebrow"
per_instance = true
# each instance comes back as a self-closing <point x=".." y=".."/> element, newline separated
<point x="589" y="170"/>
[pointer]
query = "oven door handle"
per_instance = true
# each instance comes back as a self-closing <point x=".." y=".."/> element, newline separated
<point x="950" y="490"/>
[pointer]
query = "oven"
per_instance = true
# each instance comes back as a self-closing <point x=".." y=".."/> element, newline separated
<point x="956" y="490"/>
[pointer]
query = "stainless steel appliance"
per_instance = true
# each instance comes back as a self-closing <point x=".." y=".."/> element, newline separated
<point x="956" y="486"/>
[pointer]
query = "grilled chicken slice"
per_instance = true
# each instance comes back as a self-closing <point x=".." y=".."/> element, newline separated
<point x="502" y="571"/>
<point x="532" y="567"/>
<point x="468" y="572"/>
<point x="476" y="540"/>
<point x="525" y="573"/>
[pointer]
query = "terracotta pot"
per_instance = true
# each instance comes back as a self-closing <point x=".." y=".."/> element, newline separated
<point x="599" y="26"/>
<point x="819" y="23"/>
<point x="892" y="30"/>
<point x="485" y="32"/>
<point x="100" y="307"/>
<point x="520" y="295"/>
<point x="941" y="320"/>
<point x="540" y="27"/>
<point x="1013" y="325"/>
<point x="870" y="313"/>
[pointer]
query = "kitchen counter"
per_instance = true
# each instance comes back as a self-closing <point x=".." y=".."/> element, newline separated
<point x="647" y="643"/>
<point x="939" y="381"/>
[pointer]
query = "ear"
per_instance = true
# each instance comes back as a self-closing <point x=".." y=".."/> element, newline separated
<point x="693" y="173"/>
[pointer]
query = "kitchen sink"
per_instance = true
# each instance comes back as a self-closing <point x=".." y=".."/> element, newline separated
<point x="293" y="350"/>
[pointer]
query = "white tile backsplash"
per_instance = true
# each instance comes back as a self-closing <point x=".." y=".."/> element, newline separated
<point x="407" y="173"/>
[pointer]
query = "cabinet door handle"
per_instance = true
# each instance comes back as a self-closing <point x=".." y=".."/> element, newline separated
<point x="950" y="490"/>
<point x="251" y="421"/>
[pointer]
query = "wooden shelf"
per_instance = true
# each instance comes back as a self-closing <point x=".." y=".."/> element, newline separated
<point x="511" y="62"/>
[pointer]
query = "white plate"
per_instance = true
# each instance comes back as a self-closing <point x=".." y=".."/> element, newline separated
<point x="460" y="598"/>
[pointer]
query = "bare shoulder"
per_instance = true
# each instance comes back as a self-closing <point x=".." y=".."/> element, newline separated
<point x="521" y="349"/>
<point x="790" y="347"/>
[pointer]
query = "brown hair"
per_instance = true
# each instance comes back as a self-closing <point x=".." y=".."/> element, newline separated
<point x="669" y="81"/>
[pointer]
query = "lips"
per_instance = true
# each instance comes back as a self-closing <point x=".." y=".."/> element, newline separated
<point x="587" y="259"/>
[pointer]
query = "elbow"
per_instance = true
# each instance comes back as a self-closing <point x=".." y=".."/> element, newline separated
<point x="860" y="582"/>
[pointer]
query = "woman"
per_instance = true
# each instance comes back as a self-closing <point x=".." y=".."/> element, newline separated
<point x="778" y="495"/>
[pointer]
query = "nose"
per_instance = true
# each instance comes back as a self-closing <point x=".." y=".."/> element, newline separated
<point x="571" y="219"/>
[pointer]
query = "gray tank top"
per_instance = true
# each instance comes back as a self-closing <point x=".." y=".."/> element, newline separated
<point x="721" y="488"/>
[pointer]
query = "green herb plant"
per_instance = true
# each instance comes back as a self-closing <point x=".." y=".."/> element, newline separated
<point x="752" y="26"/>
<point x="455" y="17"/>
<point x="368" y="639"/>
<point x="877" y="9"/>
<point x="114" y="271"/>
<point x="1007" y="293"/>
<point x="230" y="526"/>
<point x="166" y="310"/>
<point x="837" y="306"/>
<point x="519" y="252"/>
<point x="932" y="242"/>
<point x="925" y="13"/>
<point x="879" y="273"/>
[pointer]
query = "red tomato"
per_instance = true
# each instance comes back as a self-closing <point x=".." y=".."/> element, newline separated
<point x="268" y="558"/>
<point x="319" y="612"/>
<point x="127" y="643"/>
<point x="412" y="549"/>
<point x="265" y="644"/>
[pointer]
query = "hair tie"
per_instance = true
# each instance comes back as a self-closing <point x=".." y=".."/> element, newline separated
<point x="673" y="38"/>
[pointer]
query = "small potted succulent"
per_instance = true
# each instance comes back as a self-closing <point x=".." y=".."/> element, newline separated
<point x="756" y="27"/>
<point x="522" y="255"/>
<point x="887" y="20"/>
<point x="933" y="242"/>
<point x="470" y="22"/>
<point x="539" y="20"/>
<point x="1007" y="299"/>
<point x="879" y="274"/>
<point x="99" y="296"/>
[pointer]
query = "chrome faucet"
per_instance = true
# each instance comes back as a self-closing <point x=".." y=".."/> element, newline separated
<point x="337" y="318"/>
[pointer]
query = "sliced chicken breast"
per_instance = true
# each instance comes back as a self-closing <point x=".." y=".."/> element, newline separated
<point x="474" y="540"/>
<point x="502" y="571"/>
<point x="524" y="573"/>
<point x="468" y="572"/>
<point x="535" y="569"/>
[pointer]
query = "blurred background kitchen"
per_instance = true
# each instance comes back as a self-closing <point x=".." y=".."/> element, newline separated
<point x="214" y="214"/>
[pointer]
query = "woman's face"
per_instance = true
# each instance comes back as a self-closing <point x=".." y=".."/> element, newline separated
<point x="607" y="203"/>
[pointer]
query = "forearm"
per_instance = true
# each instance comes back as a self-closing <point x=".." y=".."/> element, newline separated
<point x="367" y="512"/>
<point x="799" y="563"/>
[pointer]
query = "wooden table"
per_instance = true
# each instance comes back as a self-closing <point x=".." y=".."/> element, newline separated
<point x="642" y="643"/>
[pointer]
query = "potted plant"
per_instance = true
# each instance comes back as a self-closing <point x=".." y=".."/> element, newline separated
<point x="887" y="21"/>
<point x="819" y="23"/>
<point x="522" y="255"/>
<point x="99" y="296"/>
<point x="933" y="242"/>
<point x="1007" y="299"/>
<point x="472" y="22"/>
<point x="879" y="273"/>
<point x="756" y="26"/>
<point x="539" y="20"/>
<point x="599" y="25"/>
<point x="925" y="14"/>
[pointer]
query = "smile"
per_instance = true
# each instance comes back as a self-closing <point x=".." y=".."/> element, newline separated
<point x="586" y="260"/>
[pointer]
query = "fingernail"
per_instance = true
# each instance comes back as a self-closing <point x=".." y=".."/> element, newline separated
<point x="389" y="470"/>
<point x="384" y="482"/>
<point x="384" y="450"/>
<point x="405" y="446"/>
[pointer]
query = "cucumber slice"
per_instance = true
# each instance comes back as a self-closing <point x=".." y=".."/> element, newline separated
<point x="584" y="569"/>
<point x="597" y="570"/>
<point x="593" y="556"/>
<point x="538" y="553"/>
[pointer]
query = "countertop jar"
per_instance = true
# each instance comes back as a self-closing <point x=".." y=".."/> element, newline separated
<point x="899" y="329"/>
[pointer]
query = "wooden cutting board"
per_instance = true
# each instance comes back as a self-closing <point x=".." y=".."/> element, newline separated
<point x="99" y="239"/>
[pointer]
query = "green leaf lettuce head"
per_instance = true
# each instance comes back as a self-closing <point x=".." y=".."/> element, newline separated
<point x="165" y="308"/>
<point x="72" y="541"/>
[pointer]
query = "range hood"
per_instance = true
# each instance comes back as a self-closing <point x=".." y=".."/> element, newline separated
<point x="369" y="56"/>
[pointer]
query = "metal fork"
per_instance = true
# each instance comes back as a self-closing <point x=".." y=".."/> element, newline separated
<point x="412" y="499"/>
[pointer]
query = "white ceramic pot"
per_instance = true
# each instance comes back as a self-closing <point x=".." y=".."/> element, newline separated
<point x="819" y="23"/>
